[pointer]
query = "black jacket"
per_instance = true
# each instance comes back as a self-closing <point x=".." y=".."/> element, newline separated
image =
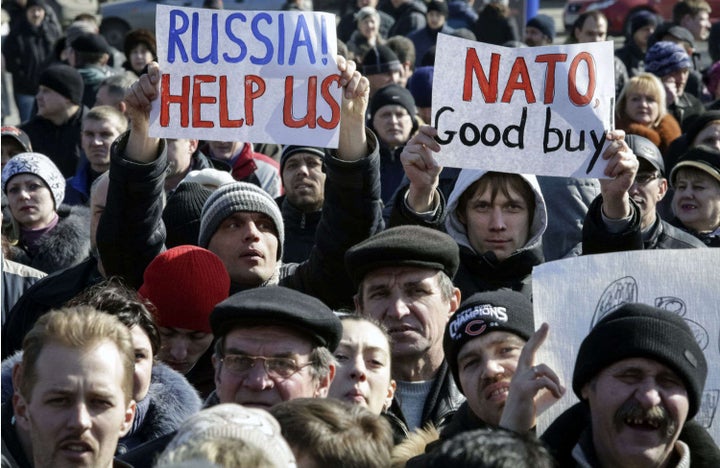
<point x="61" y="143"/>
<point x="661" y="235"/>
<point x="711" y="239"/>
<point x="564" y="433"/>
<point x="49" y="293"/>
<point x="131" y="231"/>
<point x="26" y="50"/>
<point x="409" y="17"/>
<point x="300" y="228"/>
<point x="632" y="57"/>
<point x="16" y="279"/>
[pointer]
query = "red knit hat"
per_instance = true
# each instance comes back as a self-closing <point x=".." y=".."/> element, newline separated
<point x="184" y="284"/>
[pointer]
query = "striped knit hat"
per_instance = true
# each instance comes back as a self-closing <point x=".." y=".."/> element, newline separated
<point x="233" y="198"/>
<point x="665" y="57"/>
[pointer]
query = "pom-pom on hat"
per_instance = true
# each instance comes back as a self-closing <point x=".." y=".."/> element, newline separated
<point x="39" y="165"/>
<point x="643" y="331"/>
<point x="64" y="80"/>
<point x="664" y="57"/>
<point x="185" y="284"/>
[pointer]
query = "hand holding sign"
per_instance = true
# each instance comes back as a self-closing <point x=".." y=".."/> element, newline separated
<point x="533" y="388"/>
<point x="139" y="98"/>
<point x="621" y="167"/>
<point x="421" y="168"/>
<point x="352" y="144"/>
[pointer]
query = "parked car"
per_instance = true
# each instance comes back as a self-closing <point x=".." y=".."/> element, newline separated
<point x="121" y="16"/>
<point x="620" y="12"/>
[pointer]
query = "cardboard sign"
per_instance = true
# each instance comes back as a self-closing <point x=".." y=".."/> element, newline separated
<point x="266" y="77"/>
<point x="572" y="295"/>
<point x="532" y="110"/>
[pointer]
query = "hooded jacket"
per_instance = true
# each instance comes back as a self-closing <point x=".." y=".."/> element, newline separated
<point x="482" y="271"/>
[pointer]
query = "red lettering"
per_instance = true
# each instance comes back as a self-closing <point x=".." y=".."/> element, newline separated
<point x="309" y="119"/>
<point x="519" y="80"/>
<point x="198" y="100"/>
<point x="575" y="96"/>
<point x="334" y="105"/>
<point x="551" y="60"/>
<point x="225" y="121"/>
<point x="473" y="67"/>
<point x="166" y="99"/>
<point x="254" y="88"/>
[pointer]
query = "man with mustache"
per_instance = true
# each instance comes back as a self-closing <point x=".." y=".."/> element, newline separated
<point x="640" y="374"/>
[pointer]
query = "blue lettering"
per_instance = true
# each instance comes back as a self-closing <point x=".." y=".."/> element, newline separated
<point x="174" y="33"/>
<point x="212" y="56"/>
<point x="233" y="38"/>
<point x="262" y="38"/>
<point x="302" y="39"/>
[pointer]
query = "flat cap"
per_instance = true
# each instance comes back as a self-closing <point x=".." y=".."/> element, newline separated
<point x="415" y="246"/>
<point x="281" y="306"/>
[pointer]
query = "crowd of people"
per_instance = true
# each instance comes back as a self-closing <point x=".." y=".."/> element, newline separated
<point x="179" y="302"/>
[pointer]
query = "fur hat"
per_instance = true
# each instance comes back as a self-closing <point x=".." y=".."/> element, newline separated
<point x="399" y="246"/>
<point x="233" y="198"/>
<point x="278" y="305"/>
<point x="544" y="23"/>
<point x="255" y="427"/>
<point x="642" y="331"/>
<point x="664" y="57"/>
<point x="140" y="36"/>
<point x="420" y="86"/>
<point x="18" y="135"/>
<point x="64" y="80"/>
<point x="646" y="149"/>
<point x="393" y="94"/>
<point x="483" y="313"/>
<point x="181" y="214"/>
<point x="185" y="284"/>
<point x="39" y="165"/>
<point x="380" y="59"/>
<point x="700" y="157"/>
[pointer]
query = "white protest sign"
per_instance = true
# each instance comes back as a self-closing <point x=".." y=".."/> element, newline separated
<point x="573" y="294"/>
<point x="266" y="77"/>
<point x="533" y="110"/>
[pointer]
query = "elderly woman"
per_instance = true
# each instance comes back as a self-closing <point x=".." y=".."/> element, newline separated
<point x="696" y="200"/>
<point x="46" y="235"/>
<point x="642" y="110"/>
<point x="367" y="35"/>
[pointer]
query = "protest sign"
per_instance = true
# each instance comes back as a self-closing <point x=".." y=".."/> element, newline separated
<point x="573" y="294"/>
<point x="535" y="110"/>
<point x="265" y="77"/>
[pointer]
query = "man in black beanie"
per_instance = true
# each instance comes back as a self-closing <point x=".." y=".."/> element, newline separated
<point x="540" y="31"/>
<point x="382" y="67"/>
<point x="640" y="374"/>
<point x="55" y="130"/>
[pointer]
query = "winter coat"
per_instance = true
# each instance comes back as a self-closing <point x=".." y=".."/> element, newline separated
<point x="632" y="56"/>
<point x="25" y="50"/>
<point x="12" y="450"/>
<point x="16" y="279"/>
<point x="49" y="293"/>
<point x="77" y="187"/>
<point x="566" y="431"/>
<point x="348" y="25"/>
<point x="667" y="130"/>
<point x="61" y="143"/>
<point x="493" y="27"/>
<point x="685" y="108"/>
<point x="391" y="172"/>
<point x="92" y="76"/>
<point x="132" y="233"/>
<point x="425" y="39"/>
<point x="661" y="235"/>
<point x="300" y="229"/>
<point x="409" y="17"/>
<point x="711" y="239"/>
<point x="63" y="246"/>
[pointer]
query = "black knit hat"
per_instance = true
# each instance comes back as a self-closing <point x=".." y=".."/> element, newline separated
<point x="544" y="23"/>
<point x="380" y="59"/>
<point x="64" y="80"/>
<point x="643" y="331"/>
<point x="486" y="312"/>
<point x="291" y="150"/>
<point x="439" y="6"/>
<point x="641" y="19"/>
<point x="646" y="149"/>
<point x="277" y="305"/>
<point x="91" y="43"/>
<point x="393" y="94"/>
<point x="182" y="214"/>
<point x="701" y="157"/>
<point x="399" y="246"/>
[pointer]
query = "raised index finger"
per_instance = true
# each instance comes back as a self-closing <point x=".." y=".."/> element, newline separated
<point x="527" y="355"/>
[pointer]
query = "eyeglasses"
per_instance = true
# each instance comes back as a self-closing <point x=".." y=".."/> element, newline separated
<point x="646" y="177"/>
<point x="276" y="367"/>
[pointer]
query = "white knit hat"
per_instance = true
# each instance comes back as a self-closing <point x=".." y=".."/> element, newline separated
<point x="38" y="165"/>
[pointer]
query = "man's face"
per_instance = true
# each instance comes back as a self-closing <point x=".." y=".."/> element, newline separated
<point x="409" y="302"/>
<point x="363" y="372"/>
<point x="181" y="348"/>
<point x="647" y="191"/>
<point x="179" y="155"/>
<point x="642" y="35"/>
<point x="76" y="410"/>
<point x="304" y="181"/>
<point x="97" y="206"/>
<point x="501" y="225"/>
<point x="710" y="136"/>
<point x="696" y="200"/>
<point x="247" y="243"/>
<point x="51" y="103"/>
<point x="699" y="25"/>
<point x="96" y="139"/>
<point x="35" y="15"/>
<point x="379" y="80"/>
<point x="9" y="148"/>
<point x="592" y="31"/>
<point x="535" y="37"/>
<point x="486" y="365"/>
<point x="638" y="407"/>
<point x="393" y="125"/>
<point x="224" y="150"/>
<point x="255" y="387"/>
<point x="435" y="19"/>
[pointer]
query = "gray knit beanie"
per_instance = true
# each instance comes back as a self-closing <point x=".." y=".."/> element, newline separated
<point x="235" y="197"/>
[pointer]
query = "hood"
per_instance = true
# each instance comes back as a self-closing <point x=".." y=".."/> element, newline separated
<point x="467" y="177"/>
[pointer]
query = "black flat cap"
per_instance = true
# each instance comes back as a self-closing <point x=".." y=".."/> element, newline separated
<point x="646" y="149"/>
<point x="403" y="246"/>
<point x="277" y="305"/>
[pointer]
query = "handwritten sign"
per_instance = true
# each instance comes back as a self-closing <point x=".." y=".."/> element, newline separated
<point x="266" y="77"/>
<point x="535" y="110"/>
<point x="573" y="294"/>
